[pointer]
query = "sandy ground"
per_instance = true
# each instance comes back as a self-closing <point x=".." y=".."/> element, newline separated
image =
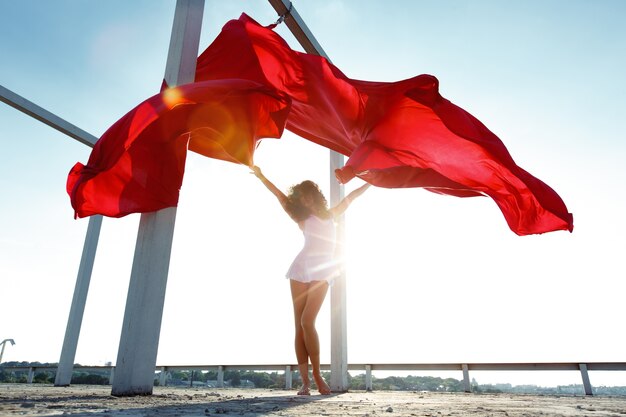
<point x="45" y="400"/>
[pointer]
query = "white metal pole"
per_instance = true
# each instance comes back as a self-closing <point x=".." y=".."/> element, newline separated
<point x="136" y="358"/>
<point x="72" y="331"/>
<point x="339" y="322"/>
<point x="338" y="293"/>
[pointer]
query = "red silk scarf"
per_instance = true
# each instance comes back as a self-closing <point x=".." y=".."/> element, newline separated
<point x="396" y="134"/>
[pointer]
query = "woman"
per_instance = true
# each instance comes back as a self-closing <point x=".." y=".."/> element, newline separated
<point x="313" y="269"/>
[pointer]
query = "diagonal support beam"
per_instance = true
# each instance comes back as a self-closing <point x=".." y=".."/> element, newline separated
<point x="63" y="376"/>
<point x="83" y="279"/>
<point x="339" y="322"/>
<point x="44" y="116"/>
<point x="298" y="28"/>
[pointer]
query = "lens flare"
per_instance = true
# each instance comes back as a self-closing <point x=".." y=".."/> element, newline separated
<point x="172" y="97"/>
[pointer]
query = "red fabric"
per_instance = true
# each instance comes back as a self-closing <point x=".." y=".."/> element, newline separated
<point x="137" y="165"/>
<point x="396" y="134"/>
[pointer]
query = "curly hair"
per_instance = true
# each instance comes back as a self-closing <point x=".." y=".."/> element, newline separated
<point x="297" y="210"/>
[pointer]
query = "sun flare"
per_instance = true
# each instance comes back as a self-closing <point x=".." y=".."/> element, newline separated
<point x="172" y="97"/>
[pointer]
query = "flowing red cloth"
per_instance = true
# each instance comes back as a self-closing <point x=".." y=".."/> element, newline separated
<point x="396" y="134"/>
<point x="250" y="83"/>
<point x="137" y="166"/>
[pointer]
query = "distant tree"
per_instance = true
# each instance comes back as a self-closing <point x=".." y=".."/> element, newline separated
<point x="452" y="385"/>
<point x="233" y="377"/>
<point x="260" y="379"/>
<point x="357" y="382"/>
<point x="394" y="383"/>
<point x="326" y="376"/>
<point x="89" y="379"/>
<point x="199" y="376"/>
<point x="42" y="378"/>
<point x="180" y="375"/>
<point x="278" y="380"/>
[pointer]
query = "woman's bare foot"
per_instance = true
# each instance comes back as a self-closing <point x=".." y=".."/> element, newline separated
<point x="322" y="386"/>
<point x="305" y="390"/>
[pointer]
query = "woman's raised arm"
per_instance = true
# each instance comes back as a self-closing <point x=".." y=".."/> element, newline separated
<point x="340" y="208"/>
<point x="282" y="198"/>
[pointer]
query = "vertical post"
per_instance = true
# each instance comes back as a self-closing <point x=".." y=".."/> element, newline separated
<point x="368" y="378"/>
<point x="163" y="376"/>
<point x="111" y="375"/>
<point x="31" y="374"/>
<point x="288" y="377"/>
<point x="338" y="307"/>
<point x="467" y="386"/>
<point x="585" y="375"/>
<point x="339" y="323"/>
<point x="220" y="376"/>
<point x="79" y="300"/>
<point x="136" y="358"/>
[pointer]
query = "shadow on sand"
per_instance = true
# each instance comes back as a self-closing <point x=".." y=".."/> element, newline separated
<point x="163" y="405"/>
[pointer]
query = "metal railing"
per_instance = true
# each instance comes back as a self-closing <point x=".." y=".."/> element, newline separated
<point x="464" y="368"/>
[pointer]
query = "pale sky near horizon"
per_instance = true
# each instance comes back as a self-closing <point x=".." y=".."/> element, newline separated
<point x="430" y="278"/>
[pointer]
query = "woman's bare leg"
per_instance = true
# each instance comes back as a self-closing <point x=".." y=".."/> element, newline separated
<point x="315" y="298"/>
<point x="299" y="292"/>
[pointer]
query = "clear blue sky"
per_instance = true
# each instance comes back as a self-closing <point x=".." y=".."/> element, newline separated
<point x="430" y="278"/>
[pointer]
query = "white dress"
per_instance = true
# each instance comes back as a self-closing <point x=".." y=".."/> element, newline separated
<point x="317" y="260"/>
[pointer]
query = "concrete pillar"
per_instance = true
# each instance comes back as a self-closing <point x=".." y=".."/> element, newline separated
<point x="368" y="378"/>
<point x="136" y="358"/>
<point x="31" y="374"/>
<point x="163" y="376"/>
<point x="585" y="376"/>
<point x="220" y="376"/>
<point x="467" y="386"/>
<point x="288" y="377"/>
<point x="79" y="300"/>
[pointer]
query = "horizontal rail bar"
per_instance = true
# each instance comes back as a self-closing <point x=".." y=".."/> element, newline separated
<point x="408" y="366"/>
<point x="541" y="366"/>
<point x="581" y="367"/>
<point x="606" y="366"/>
